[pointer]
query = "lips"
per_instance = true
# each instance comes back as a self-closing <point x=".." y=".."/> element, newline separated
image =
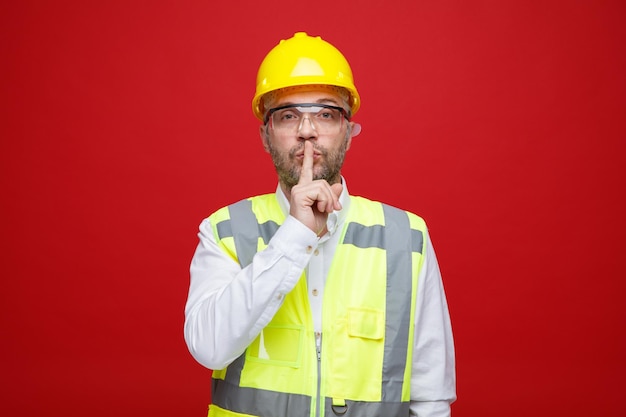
<point x="300" y="155"/>
<point x="297" y="152"/>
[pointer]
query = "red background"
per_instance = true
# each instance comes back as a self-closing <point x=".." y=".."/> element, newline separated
<point x="124" y="123"/>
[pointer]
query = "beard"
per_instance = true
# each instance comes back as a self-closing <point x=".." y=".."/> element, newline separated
<point x="288" y="169"/>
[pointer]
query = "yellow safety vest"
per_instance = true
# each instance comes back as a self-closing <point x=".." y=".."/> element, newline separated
<point x="364" y="365"/>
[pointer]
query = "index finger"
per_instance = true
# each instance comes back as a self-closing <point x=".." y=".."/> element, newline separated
<point x="306" y="175"/>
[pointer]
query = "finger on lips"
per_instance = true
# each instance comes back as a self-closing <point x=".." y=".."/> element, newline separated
<point x="306" y="176"/>
<point x="325" y="198"/>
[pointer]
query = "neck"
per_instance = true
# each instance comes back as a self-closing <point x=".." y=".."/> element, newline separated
<point x="286" y="190"/>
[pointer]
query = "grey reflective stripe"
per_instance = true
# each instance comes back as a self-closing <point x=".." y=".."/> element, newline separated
<point x="398" y="304"/>
<point x="373" y="237"/>
<point x="243" y="226"/>
<point x="224" y="229"/>
<point x="245" y="229"/>
<point x="259" y="402"/>
<point x="367" y="409"/>
<point x="365" y="236"/>
<point x="264" y="403"/>
<point x="267" y="230"/>
<point x="233" y="372"/>
<point x="417" y="239"/>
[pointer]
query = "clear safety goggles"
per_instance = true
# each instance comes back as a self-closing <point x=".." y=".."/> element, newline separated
<point x="323" y="118"/>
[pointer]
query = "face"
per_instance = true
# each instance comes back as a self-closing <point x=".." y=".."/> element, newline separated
<point x="287" y="148"/>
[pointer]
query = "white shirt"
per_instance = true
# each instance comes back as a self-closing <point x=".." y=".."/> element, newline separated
<point x="228" y="306"/>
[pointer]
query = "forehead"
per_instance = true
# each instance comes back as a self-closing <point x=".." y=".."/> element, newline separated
<point x="317" y="94"/>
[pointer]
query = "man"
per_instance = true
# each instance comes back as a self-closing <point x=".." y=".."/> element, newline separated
<point x="309" y="301"/>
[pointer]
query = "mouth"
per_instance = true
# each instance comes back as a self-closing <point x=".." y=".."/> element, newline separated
<point x="300" y="155"/>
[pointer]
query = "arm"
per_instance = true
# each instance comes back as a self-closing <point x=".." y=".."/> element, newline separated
<point x="433" y="371"/>
<point x="227" y="306"/>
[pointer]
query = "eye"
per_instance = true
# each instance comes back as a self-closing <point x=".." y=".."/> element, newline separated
<point x="287" y="115"/>
<point x="327" y="114"/>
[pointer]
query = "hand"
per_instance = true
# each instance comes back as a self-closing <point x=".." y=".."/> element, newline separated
<point x="312" y="200"/>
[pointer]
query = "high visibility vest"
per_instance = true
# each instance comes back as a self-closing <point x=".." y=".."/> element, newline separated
<point x="364" y="365"/>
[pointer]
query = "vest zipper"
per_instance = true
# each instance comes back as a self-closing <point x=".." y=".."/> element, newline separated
<point x="318" y="348"/>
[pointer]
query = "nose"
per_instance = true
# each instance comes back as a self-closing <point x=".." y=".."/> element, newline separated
<point x="306" y="130"/>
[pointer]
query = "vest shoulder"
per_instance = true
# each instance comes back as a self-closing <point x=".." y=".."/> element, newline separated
<point x="262" y="200"/>
<point x="366" y="204"/>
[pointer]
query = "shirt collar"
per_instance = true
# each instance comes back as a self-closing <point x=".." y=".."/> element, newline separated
<point x="335" y="219"/>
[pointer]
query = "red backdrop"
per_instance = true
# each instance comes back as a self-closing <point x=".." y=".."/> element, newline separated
<point x="124" y="123"/>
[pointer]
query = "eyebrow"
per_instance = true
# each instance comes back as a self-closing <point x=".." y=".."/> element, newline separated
<point x="320" y="101"/>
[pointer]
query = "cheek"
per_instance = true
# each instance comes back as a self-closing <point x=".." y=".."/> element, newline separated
<point x="336" y="144"/>
<point x="282" y="147"/>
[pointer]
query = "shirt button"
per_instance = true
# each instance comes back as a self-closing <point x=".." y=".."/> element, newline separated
<point x="279" y="297"/>
<point x="309" y="249"/>
<point x="317" y="252"/>
<point x="314" y="292"/>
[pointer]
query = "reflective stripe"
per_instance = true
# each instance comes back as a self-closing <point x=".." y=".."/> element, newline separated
<point x="417" y="240"/>
<point x="398" y="304"/>
<point x="365" y="236"/>
<point x="245" y="229"/>
<point x="267" y="230"/>
<point x="259" y="402"/>
<point x="233" y="372"/>
<point x="224" y="229"/>
<point x="373" y="237"/>
<point x="368" y="409"/>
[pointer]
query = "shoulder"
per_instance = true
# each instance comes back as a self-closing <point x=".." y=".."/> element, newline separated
<point x="363" y="204"/>
<point x="261" y="200"/>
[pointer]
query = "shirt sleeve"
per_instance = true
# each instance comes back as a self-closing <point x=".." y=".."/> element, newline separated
<point x="433" y="380"/>
<point x="227" y="306"/>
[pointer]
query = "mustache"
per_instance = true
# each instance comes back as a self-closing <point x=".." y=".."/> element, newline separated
<point x="300" y="147"/>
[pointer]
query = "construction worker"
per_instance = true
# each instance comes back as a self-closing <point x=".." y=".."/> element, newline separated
<point x="309" y="301"/>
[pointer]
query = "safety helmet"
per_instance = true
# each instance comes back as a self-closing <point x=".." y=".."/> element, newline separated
<point x="303" y="60"/>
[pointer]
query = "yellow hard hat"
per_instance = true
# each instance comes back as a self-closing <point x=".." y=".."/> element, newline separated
<point x="303" y="60"/>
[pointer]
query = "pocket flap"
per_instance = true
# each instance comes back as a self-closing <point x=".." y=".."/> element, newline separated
<point x="366" y="323"/>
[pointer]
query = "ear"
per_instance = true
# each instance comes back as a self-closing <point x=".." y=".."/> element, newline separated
<point x="264" y="137"/>
<point x="356" y="129"/>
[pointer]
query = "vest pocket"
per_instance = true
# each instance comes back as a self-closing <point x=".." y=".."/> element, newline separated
<point x="366" y="323"/>
<point x="278" y="345"/>
<point x="357" y="344"/>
